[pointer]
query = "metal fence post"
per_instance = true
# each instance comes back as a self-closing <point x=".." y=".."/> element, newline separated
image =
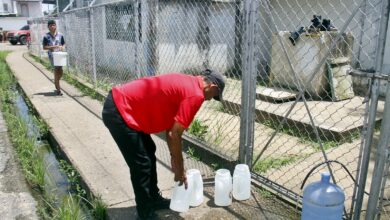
<point x="248" y="95"/>
<point x="138" y="38"/>
<point x="362" y="176"/>
<point x="382" y="151"/>
<point x="238" y="38"/>
<point x="91" y="22"/>
<point x="151" y="45"/>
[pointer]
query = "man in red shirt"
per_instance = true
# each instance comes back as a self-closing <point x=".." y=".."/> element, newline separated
<point x="150" y="105"/>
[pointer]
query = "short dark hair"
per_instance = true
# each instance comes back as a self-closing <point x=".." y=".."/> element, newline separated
<point x="50" y="22"/>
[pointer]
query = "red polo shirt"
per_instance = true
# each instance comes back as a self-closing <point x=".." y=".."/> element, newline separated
<point x="153" y="104"/>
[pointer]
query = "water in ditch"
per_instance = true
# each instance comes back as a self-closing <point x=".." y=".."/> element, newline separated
<point x="57" y="183"/>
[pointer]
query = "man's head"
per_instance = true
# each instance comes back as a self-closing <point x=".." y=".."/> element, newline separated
<point x="215" y="84"/>
<point x="51" y="24"/>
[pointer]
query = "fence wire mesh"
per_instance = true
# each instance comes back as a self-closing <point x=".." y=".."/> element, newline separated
<point x="309" y="108"/>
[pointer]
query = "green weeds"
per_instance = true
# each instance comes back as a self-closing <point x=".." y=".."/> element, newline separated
<point x="70" y="209"/>
<point x="265" y="193"/>
<point x="198" y="129"/>
<point x="31" y="161"/>
<point x="191" y="153"/>
<point x="263" y="166"/>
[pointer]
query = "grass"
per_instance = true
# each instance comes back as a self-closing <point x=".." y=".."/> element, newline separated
<point x="83" y="89"/>
<point x="265" y="193"/>
<point x="306" y="138"/>
<point x="44" y="61"/>
<point x="29" y="158"/>
<point x="198" y="129"/>
<point x="99" y="208"/>
<point x="218" y="133"/>
<point x="31" y="161"/>
<point x="263" y="166"/>
<point x="70" y="209"/>
<point x="216" y="166"/>
<point x="191" y="153"/>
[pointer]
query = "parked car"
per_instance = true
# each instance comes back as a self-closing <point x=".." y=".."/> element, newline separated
<point x="19" y="36"/>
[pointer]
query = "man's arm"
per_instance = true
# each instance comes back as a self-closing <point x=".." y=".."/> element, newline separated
<point x="52" y="47"/>
<point x="47" y="47"/>
<point x="175" y="148"/>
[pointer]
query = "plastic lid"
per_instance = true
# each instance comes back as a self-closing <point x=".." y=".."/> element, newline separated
<point x="223" y="172"/>
<point x="242" y="167"/>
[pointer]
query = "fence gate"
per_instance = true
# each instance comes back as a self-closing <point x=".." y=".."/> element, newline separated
<point x="316" y="98"/>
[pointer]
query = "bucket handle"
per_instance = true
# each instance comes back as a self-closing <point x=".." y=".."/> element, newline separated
<point x="329" y="161"/>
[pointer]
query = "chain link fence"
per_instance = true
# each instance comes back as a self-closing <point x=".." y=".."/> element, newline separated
<point x="298" y="99"/>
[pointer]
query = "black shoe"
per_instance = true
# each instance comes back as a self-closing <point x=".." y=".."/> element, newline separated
<point x="148" y="216"/>
<point x="159" y="202"/>
<point x="58" y="92"/>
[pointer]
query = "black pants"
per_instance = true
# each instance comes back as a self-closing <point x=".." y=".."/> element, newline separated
<point x="138" y="149"/>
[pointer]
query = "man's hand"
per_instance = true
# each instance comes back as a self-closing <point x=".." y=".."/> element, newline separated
<point x="175" y="148"/>
<point x="182" y="178"/>
<point x="59" y="47"/>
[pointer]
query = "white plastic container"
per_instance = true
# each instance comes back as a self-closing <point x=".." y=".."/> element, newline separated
<point x="223" y="188"/>
<point x="180" y="199"/>
<point x="60" y="58"/>
<point x="196" y="197"/>
<point x="241" y="182"/>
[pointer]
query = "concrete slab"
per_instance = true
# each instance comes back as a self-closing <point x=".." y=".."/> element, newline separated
<point x="222" y="134"/>
<point x="334" y="120"/>
<point x="273" y="94"/>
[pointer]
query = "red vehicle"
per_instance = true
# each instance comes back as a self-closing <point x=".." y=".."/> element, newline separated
<point x="19" y="36"/>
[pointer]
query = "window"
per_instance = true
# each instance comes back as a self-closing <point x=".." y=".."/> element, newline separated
<point x="120" y="22"/>
<point x="26" y="27"/>
<point x="5" y="7"/>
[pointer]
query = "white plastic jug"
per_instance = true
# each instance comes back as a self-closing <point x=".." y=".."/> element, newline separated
<point x="241" y="182"/>
<point x="196" y="197"/>
<point x="59" y="58"/>
<point x="223" y="188"/>
<point x="180" y="199"/>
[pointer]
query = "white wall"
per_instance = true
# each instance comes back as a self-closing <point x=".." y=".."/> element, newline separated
<point x="9" y="3"/>
<point x="34" y="9"/>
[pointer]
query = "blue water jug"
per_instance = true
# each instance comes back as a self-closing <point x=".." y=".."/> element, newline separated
<point x="323" y="200"/>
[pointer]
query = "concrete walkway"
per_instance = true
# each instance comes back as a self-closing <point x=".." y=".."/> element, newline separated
<point x="75" y="124"/>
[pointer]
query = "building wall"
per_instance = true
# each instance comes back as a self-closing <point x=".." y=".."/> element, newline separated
<point x="10" y="9"/>
<point x="34" y="9"/>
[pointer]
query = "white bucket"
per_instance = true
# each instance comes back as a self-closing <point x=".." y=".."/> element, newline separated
<point x="223" y="188"/>
<point x="196" y="197"/>
<point x="59" y="58"/>
<point x="241" y="182"/>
